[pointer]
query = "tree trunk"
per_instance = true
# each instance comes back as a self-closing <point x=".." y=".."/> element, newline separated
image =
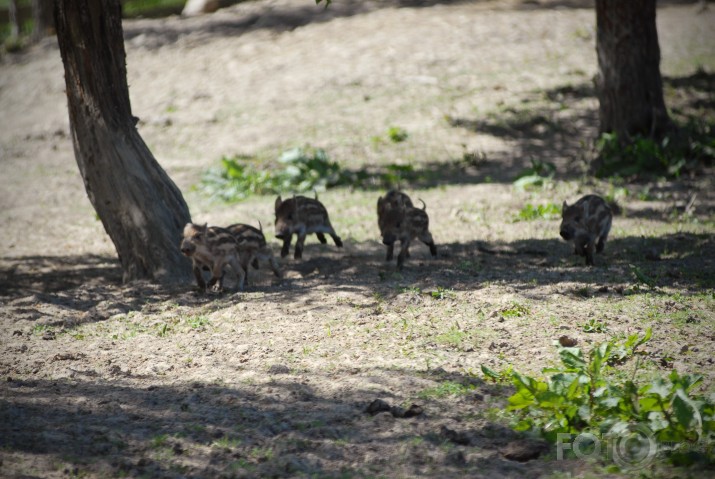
<point x="629" y="85"/>
<point x="141" y="209"/>
<point x="13" y="19"/>
<point x="42" y="18"/>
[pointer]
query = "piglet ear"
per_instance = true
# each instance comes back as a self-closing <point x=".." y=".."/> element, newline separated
<point x="204" y="227"/>
<point x="278" y="202"/>
<point x="564" y="206"/>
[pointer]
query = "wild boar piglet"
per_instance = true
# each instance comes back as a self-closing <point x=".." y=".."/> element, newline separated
<point x="587" y="223"/>
<point x="301" y="216"/>
<point x="252" y="247"/>
<point x="399" y="220"/>
<point x="212" y="248"/>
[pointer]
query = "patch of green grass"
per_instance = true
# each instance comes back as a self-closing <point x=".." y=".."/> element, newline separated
<point x="447" y="388"/>
<point x="163" y="329"/>
<point x="241" y="464"/>
<point x="453" y="337"/>
<point x="411" y="290"/>
<point x="77" y="335"/>
<point x="227" y="442"/>
<point x="261" y="453"/>
<point x="159" y="441"/>
<point x="199" y="321"/>
<point x="469" y="266"/>
<point x="140" y="8"/>
<point x="40" y="329"/>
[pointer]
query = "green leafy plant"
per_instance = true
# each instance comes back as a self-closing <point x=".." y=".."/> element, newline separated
<point x="594" y="326"/>
<point x="641" y="278"/>
<point x="530" y="212"/>
<point x="397" y="134"/>
<point x="516" y="310"/>
<point x="447" y="388"/>
<point x="580" y="396"/>
<point x="301" y="170"/>
<point x="498" y="377"/>
<point x="298" y="170"/>
<point x="163" y="330"/>
<point x="537" y="176"/>
<point x="622" y="350"/>
<point x="442" y="293"/>
<point x="680" y="151"/>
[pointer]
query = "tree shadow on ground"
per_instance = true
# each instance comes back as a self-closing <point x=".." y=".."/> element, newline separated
<point x="555" y="126"/>
<point x="49" y="274"/>
<point x="558" y="127"/>
<point x="283" y="427"/>
<point x="531" y="266"/>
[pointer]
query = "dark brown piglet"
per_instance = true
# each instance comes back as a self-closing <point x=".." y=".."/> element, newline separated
<point x="399" y="220"/>
<point x="301" y="216"/>
<point x="587" y="223"/>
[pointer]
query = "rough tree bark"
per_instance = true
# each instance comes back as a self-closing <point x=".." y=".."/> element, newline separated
<point x="141" y="209"/>
<point x="629" y="85"/>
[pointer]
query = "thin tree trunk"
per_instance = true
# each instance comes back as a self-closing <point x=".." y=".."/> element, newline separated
<point x="629" y="85"/>
<point x="13" y="19"/>
<point x="140" y="207"/>
<point x="42" y="18"/>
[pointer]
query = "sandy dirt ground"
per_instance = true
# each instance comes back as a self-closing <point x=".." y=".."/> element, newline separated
<point x="102" y="379"/>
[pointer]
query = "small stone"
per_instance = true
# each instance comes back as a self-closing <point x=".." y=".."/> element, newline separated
<point x="567" y="342"/>
<point x="279" y="369"/>
<point x="456" y="437"/>
<point x="378" y="405"/>
<point x="413" y="411"/>
<point x="523" y="450"/>
<point x="652" y="254"/>
<point x="456" y="458"/>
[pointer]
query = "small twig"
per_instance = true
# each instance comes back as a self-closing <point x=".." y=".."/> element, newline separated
<point x="690" y="204"/>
